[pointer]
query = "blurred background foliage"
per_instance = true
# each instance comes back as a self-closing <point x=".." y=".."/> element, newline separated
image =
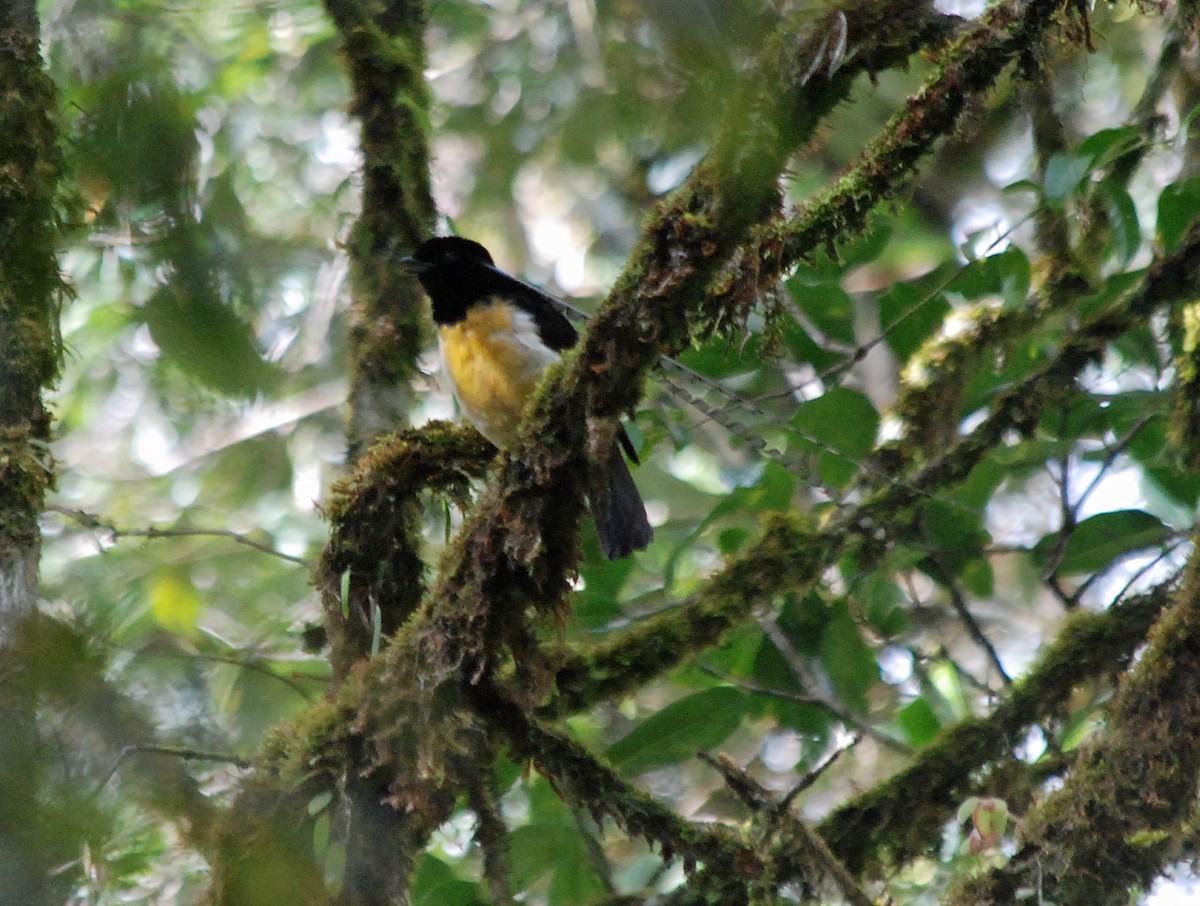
<point x="214" y="177"/>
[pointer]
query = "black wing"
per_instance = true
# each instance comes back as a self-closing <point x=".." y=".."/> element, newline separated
<point x="553" y="327"/>
<point x="555" y="330"/>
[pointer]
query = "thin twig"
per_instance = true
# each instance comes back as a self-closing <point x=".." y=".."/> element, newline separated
<point x="88" y="520"/>
<point x="758" y="799"/>
<point x="974" y="630"/>
<point x="1111" y="455"/>
<point x="186" y="754"/>
<point x="253" y="666"/>
<point x="814" y="775"/>
<point x="806" y="678"/>
<point x="595" y="851"/>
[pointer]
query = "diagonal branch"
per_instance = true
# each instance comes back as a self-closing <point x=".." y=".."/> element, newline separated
<point x="904" y="814"/>
<point x="1133" y="790"/>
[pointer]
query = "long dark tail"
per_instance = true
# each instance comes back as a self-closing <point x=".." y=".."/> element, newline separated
<point x="618" y="511"/>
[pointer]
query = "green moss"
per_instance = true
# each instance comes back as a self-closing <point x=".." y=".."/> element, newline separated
<point x="31" y="289"/>
<point x="902" y="817"/>
<point x="786" y="558"/>
<point x="375" y="517"/>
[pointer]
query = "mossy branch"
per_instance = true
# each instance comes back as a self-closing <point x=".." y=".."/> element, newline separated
<point x="593" y="786"/>
<point x="788" y="556"/>
<point x="383" y="44"/>
<point x="902" y="816"/>
<point x="373" y="559"/>
<point x="31" y="292"/>
<point x="1124" y="809"/>
<point x="973" y="63"/>
<point x="1170" y="278"/>
<point x="502" y="561"/>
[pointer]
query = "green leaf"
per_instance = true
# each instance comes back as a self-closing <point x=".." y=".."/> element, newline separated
<point x="1177" y="206"/>
<point x="319" y="803"/>
<point x="575" y="880"/>
<point x="804" y="718"/>
<point x="679" y="730"/>
<point x="436" y="884"/>
<point x="918" y="721"/>
<point x="208" y="342"/>
<point x="828" y="307"/>
<point x="806" y="349"/>
<point x="909" y="314"/>
<point x="953" y="527"/>
<point x="1064" y="173"/>
<point x="966" y="808"/>
<point x="773" y="489"/>
<point x="1005" y="274"/>
<point x="1080" y="724"/>
<point x="1099" y="540"/>
<point x="978" y="577"/>
<point x="945" y="681"/>
<point x="841" y="427"/>
<point x="848" y="660"/>
<point x="597" y="603"/>
<point x="732" y="539"/>
<point x="1122" y="219"/>
<point x="1107" y="145"/>
<point x="883" y="601"/>
<point x="530" y="858"/>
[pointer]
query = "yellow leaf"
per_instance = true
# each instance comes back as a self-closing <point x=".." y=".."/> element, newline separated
<point x="174" y="602"/>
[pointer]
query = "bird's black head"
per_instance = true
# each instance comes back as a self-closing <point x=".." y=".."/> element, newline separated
<point x="455" y="272"/>
<point x="447" y="251"/>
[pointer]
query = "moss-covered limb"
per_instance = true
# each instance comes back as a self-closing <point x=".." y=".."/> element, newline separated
<point x="663" y="300"/>
<point x="491" y="836"/>
<point x="788" y="556"/>
<point x="30" y="294"/>
<point x="902" y="816"/>
<point x="1120" y="817"/>
<point x="372" y="573"/>
<point x="1169" y="279"/>
<point x="593" y="786"/>
<point x="969" y="67"/>
<point x="374" y="543"/>
<point x="383" y="43"/>
<point x="929" y="407"/>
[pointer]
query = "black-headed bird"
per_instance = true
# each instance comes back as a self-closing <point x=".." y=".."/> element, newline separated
<point x="497" y="334"/>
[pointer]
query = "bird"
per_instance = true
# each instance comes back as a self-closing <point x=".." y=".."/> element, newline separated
<point x="496" y="335"/>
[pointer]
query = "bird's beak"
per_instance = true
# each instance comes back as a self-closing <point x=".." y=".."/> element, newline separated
<point x="413" y="266"/>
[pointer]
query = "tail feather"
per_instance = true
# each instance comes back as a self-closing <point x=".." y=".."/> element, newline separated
<point x="618" y="511"/>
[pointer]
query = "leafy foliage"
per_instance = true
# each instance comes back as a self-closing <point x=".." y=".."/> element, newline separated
<point x="216" y="173"/>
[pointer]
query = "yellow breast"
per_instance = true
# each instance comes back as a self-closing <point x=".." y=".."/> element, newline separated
<point x="494" y="358"/>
